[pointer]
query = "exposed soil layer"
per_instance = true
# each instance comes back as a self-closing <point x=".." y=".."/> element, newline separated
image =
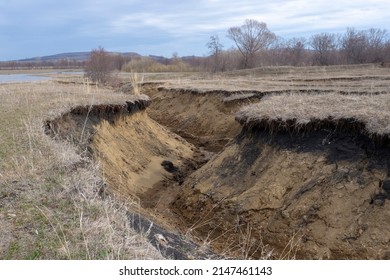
<point x="202" y="118"/>
<point x="248" y="192"/>
<point x="80" y="123"/>
<point x="319" y="195"/>
<point x="136" y="154"/>
<point x="141" y="162"/>
<point x="279" y="190"/>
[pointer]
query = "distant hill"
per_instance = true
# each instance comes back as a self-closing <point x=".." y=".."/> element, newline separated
<point x="161" y="59"/>
<point x="75" y="56"/>
<point x="73" y="60"/>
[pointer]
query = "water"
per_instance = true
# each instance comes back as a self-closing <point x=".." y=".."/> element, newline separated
<point x="17" y="78"/>
<point x="71" y="73"/>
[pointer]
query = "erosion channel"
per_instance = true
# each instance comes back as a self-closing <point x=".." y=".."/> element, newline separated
<point x="203" y="186"/>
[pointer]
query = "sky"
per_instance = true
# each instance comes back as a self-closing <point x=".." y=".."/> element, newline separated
<point x="31" y="28"/>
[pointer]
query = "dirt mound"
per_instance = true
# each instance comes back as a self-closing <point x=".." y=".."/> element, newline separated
<point x="320" y="195"/>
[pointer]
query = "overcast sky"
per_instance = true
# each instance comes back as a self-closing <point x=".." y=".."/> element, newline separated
<point x="30" y="28"/>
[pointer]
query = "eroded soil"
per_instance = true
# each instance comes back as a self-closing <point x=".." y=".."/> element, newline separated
<point x="203" y="119"/>
<point x="305" y="197"/>
<point x="247" y="193"/>
<point x="317" y="196"/>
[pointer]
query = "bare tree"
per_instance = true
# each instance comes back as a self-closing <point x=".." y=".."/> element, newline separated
<point x="364" y="46"/>
<point x="386" y="52"/>
<point x="250" y="38"/>
<point x="296" y="51"/>
<point x="354" y="46"/>
<point x="99" y="66"/>
<point x="324" y="46"/>
<point x="377" y="39"/>
<point x="118" y="60"/>
<point x="215" y="48"/>
<point x="231" y="59"/>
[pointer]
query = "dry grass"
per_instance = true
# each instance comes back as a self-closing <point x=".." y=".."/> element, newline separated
<point x="303" y="110"/>
<point x="361" y="79"/>
<point x="49" y="202"/>
<point x="235" y="97"/>
<point x="135" y="81"/>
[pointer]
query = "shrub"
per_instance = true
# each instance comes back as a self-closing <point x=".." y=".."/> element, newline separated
<point x="147" y="64"/>
<point x="99" y="66"/>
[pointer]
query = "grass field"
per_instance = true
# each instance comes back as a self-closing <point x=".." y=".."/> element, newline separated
<point x="49" y="207"/>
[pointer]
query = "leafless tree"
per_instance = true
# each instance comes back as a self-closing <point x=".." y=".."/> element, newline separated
<point x="354" y="46"/>
<point x="386" y="51"/>
<point x="215" y="48"/>
<point x="231" y="59"/>
<point x="377" y="39"/>
<point x="251" y="38"/>
<point x="324" y="46"/>
<point x="118" y="60"/>
<point x="99" y="66"/>
<point x="296" y="51"/>
<point x="260" y="47"/>
<point x="364" y="46"/>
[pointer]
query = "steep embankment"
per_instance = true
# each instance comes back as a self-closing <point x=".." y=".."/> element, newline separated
<point x="304" y="181"/>
<point x="328" y="199"/>
<point x="205" y="119"/>
<point x="308" y="179"/>
<point x="137" y="156"/>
